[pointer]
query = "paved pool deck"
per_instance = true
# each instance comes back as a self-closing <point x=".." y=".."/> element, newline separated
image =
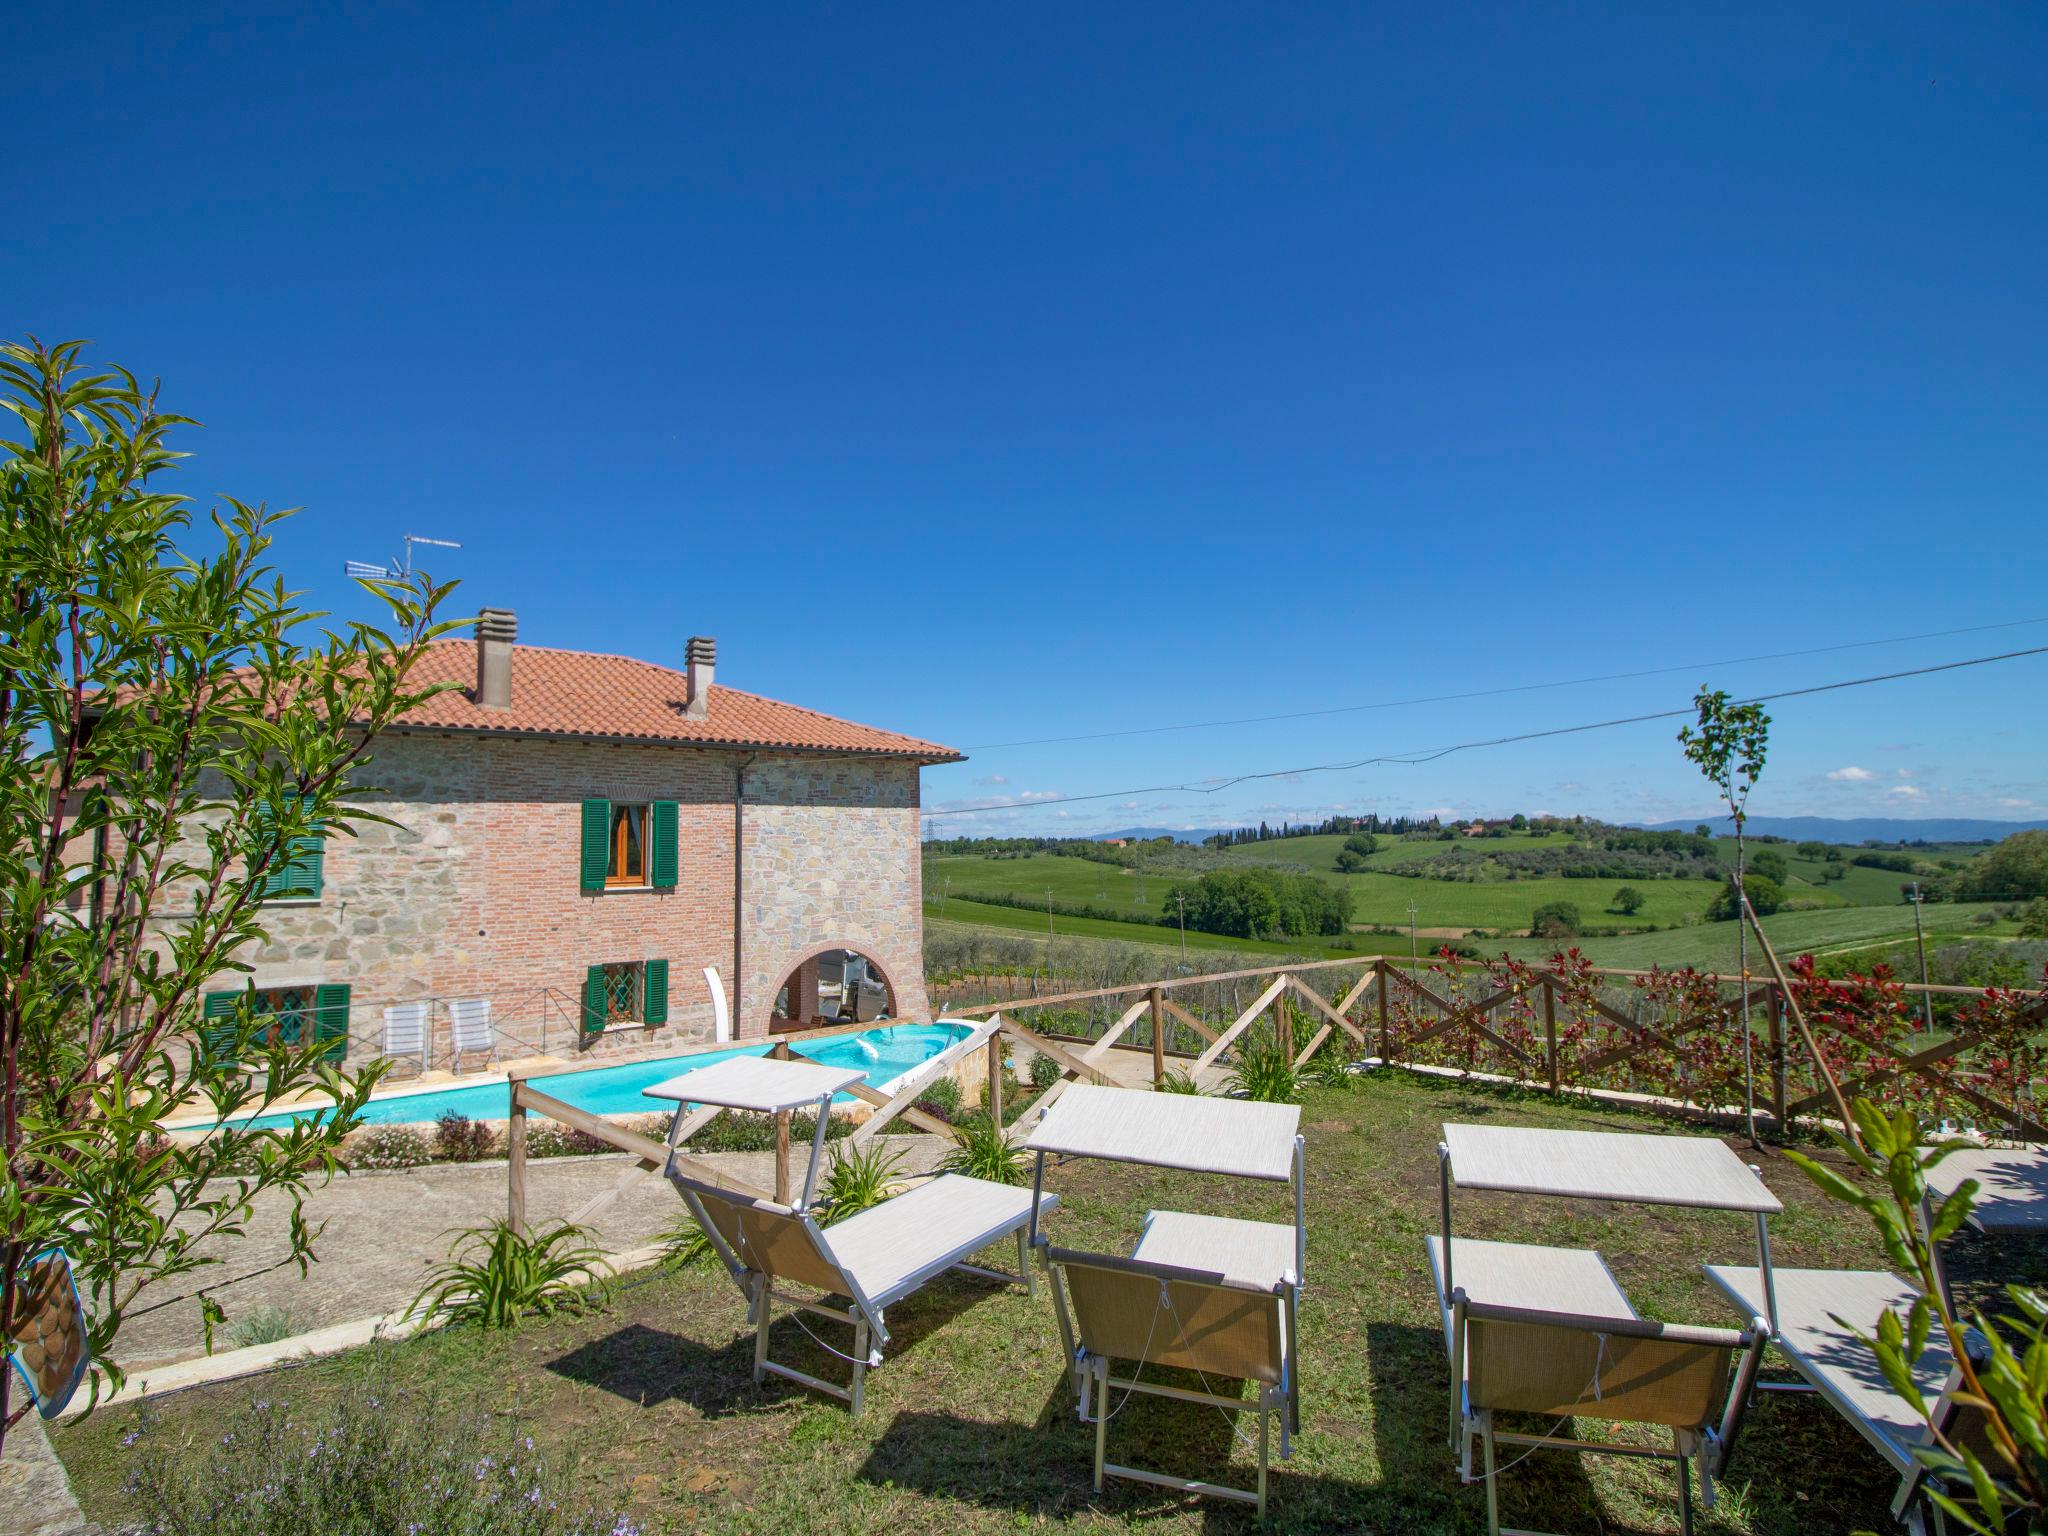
<point x="384" y="1231"/>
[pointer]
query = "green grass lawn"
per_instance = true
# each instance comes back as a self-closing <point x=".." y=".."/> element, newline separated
<point x="1032" y="924"/>
<point x="969" y="1424"/>
<point x="1712" y="946"/>
<point x="1377" y="899"/>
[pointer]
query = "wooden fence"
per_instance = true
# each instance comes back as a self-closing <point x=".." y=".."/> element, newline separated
<point x="1674" y="1038"/>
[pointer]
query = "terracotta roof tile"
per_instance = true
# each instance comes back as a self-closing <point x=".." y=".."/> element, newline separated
<point x="615" y="698"/>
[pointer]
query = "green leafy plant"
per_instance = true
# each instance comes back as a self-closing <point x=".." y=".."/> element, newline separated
<point x="1178" y="1081"/>
<point x="2010" y="1385"/>
<point x="1044" y="1072"/>
<point x="984" y="1152"/>
<point x="1328" y="1067"/>
<point x="175" y="746"/>
<point x="941" y="1097"/>
<point x="263" y="1325"/>
<point x="858" y="1180"/>
<point x="1263" y="1071"/>
<point x="374" y="1457"/>
<point x="685" y="1245"/>
<point x="498" y="1275"/>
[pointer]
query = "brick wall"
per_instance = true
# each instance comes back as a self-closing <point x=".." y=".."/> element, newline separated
<point x="474" y="893"/>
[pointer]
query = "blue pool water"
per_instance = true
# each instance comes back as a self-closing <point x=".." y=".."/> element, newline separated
<point x="885" y="1052"/>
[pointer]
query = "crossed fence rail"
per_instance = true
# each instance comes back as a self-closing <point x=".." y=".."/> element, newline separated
<point x="1673" y="1039"/>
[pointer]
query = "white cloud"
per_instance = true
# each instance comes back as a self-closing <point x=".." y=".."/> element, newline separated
<point x="2013" y="803"/>
<point x="1909" y="792"/>
<point x="1907" y="773"/>
<point x="993" y="780"/>
<point x="1850" y="775"/>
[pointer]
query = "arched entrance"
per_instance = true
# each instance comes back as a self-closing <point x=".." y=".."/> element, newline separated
<point x="832" y="987"/>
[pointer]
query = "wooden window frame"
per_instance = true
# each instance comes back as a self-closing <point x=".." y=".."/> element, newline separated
<point x="614" y="877"/>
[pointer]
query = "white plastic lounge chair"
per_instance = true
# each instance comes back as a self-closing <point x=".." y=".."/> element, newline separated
<point x="1843" y="1370"/>
<point x="872" y="1260"/>
<point x="1539" y="1330"/>
<point x="405" y="1031"/>
<point x="1201" y="1320"/>
<point x="469" y="1030"/>
<point x="2012" y="1187"/>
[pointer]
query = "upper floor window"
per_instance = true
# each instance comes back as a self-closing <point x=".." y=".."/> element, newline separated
<point x="301" y="872"/>
<point x="628" y="846"/>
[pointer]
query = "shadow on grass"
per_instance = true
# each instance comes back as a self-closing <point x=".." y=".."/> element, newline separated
<point x="649" y="1366"/>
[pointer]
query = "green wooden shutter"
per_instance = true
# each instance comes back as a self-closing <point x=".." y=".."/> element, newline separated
<point x="654" y="992"/>
<point x="597" y="843"/>
<point x="662" y="856"/>
<point x="330" y="1019"/>
<point x="308" y="867"/>
<point x="217" y="1041"/>
<point x="593" y="998"/>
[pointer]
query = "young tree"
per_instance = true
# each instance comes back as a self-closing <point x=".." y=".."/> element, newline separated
<point x="1728" y="745"/>
<point x="171" y="746"/>
<point x="1628" y="901"/>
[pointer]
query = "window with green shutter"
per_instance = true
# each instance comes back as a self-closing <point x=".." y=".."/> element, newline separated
<point x="330" y="1019"/>
<point x="661" y="850"/>
<point x="654" y="992"/>
<point x="303" y="872"/>
<point x="217" y="1031"/>
<point x="597" y="850"/>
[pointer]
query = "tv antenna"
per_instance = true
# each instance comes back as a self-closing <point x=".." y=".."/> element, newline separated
<point x="364" y="570"/>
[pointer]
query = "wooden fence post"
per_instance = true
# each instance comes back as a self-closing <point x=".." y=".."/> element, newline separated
<point x="1283" y="1019"/>
<point x="780" y="1052"/>
<point x="515" y="1162"/>
<point x="1550" y="1030"/>
<point x="1386" y="1027"/>
<point x="995" y="1080"/>
<point x="1777" y="1005"/>
<point x="1158" y="1038"/>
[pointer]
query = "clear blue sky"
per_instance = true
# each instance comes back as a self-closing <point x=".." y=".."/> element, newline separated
<point x="1002" y="373"/>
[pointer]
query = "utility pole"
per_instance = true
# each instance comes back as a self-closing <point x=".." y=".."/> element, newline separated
<point x="945" y="890"/>
<point x="1414" y="947"/>
<point x="1048" y="913"/>
<point x="1182" y="898"/>
<point x="1920" y="937"/>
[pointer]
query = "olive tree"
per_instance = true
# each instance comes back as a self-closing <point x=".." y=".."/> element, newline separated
<point x="171" y="745"/>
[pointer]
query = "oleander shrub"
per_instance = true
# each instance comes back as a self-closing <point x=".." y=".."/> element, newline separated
<point x="551" y="1138"/>
<point x="459" y="1139"/>
<point x="1044" y="1072"/>
<point x="376" y="1457"/>
<point x="388" y="1146"/>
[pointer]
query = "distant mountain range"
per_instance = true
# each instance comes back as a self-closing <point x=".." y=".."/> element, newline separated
<point x="1865" y="829"/>
<point x="1146" y="834"/>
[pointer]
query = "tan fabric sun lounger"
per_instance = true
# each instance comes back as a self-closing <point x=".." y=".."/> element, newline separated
<point x="1538" y="1330"/>
<point x="871" y="1260"/>
<point x="1193" y="1319"/>
<point x="1842" y="1369"/>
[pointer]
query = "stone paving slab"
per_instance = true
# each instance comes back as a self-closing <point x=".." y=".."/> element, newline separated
<point x="35" y="1495"/>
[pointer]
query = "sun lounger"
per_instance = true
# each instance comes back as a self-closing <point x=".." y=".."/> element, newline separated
<point x="872" y="1260"/>
<point x="405" y="1031"/>
<point x="2012" y="1194"/>
<point x="1195" y="1319"/>
<point x="469" y="1030"/>
<point x="1843" y="1369"/>
<point x="1531" y="1329"/>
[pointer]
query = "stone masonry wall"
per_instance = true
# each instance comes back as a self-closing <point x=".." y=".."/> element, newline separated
<point x="474" y="893"/>
<point x="831" y="863"/>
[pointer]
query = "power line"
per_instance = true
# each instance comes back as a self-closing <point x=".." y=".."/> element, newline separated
<point x="1431" y="754"/>
<point x="1493" y="693"/>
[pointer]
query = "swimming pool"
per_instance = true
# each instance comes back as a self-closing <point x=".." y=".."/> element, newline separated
<point x="883" y="1053"/>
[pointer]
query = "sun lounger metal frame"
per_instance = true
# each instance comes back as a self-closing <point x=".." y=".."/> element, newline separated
<point x="1093" y="1371"/>
<point x="863" y="1311"/>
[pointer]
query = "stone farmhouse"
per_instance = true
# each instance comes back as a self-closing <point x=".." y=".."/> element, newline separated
<point x="579" y="837"/>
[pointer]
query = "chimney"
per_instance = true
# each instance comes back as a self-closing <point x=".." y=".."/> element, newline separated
<point x="702" y="662"/>
<point x="496" y="629"/>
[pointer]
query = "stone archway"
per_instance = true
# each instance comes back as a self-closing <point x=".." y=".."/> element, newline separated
<point x="835" y="983"/>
